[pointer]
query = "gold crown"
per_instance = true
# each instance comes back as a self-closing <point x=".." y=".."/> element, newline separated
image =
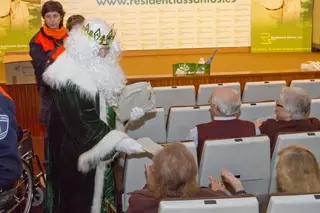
<point x="96" y="35"/>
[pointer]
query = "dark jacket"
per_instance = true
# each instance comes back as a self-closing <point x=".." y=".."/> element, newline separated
<point x="10" y="162"/>
<point x="143" y="201"/>
<point x="43" y="49"/>
<point x="74" y="128"/>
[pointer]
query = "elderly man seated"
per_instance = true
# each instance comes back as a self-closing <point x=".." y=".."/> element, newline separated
<point x="225" y="105"/>
<point x="291" y="115"/>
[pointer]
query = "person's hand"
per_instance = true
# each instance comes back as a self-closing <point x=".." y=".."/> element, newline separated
<point x="228" y="177"/>
<point x="129" y="146"/>
<point x="147" y="169"/>
<point x="136" y="113"/>
<point x="217" y="185"/>
<point x="258" y="123"/>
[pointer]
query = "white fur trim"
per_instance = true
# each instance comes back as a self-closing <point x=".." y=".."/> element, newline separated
<point x="103" y="109"/>
<point x="98" y="187"/>
<point x="90" y="159"/>
<point x="66" y="70"/>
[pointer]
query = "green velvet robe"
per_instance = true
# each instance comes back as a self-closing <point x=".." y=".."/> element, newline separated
<point x="74" y="128"/>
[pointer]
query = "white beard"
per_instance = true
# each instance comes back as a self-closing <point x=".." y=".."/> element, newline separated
<point x="109" y="78"/>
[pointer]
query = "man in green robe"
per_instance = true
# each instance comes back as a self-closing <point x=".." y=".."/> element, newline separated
<point x="85" y="84"/>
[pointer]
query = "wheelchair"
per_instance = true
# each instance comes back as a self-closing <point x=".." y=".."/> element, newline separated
<point x="29" y="188"/>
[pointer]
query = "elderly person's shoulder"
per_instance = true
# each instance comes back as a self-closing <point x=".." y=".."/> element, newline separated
<point x="144" y="200"/>
<point x="268" y="122"/>
<point x="145" y="194"/>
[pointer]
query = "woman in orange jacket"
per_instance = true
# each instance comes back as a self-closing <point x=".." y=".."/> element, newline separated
<point x="44" y="48"/>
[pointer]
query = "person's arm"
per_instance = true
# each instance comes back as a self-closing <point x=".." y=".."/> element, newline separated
<point x="8" y="141"/>
<point x="95" y="141"/>
<point x="40" y="60"/>
<point x="19" y="133"/>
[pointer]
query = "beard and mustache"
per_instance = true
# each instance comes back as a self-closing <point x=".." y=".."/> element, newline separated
<point x="109" y="78"/>
<point x="105" y="72"/>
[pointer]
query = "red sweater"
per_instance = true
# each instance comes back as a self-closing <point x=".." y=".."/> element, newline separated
<point x="273" y="128"/>
<point x="223" y="129"/>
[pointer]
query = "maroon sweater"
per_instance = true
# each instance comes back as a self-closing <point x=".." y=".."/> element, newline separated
<point x="143" y="201"/>
<point x="273" y="128"/>
<point x="223" y="129"/>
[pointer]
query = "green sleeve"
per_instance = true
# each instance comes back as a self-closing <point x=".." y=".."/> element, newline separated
<point x="80" y="116"/>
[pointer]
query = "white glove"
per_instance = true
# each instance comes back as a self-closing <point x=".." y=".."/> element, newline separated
<point x="129" y="146"/>
<point x="136" y="113"/>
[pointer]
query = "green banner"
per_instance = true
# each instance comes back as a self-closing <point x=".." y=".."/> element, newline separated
<point x="19" y="21"/>
<point x="281" y="26"/>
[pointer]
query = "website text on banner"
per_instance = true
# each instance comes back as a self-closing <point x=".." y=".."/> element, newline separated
<point x="19" y="21"/>
<point x="281" y="26"/>
<point x="171" y="24"/>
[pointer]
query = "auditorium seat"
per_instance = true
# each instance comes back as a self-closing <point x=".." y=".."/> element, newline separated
<point x="315" y="108"/>
<point x="205" y="90"/>
<point x="312" y="86"/>
<point x="134" y="175"/>
<point x="309" y="203"/>
<point x="191" y="145"/>
<point x="222" y="205"/>
<point x="247" y="158"/>
<point x="182" y="119"/>
<point x="310" y="140"/>
<point x="134" y="172"/>
<point x="167" y="97"/>
<point x="262" y="91"/>
<point x="151" y="125"/>
<point x="255" y="111"/>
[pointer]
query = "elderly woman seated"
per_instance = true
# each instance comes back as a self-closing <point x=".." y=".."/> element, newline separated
<point x="297" y="172"/>
<point x="172" y="175"/>
<point x="291" y="112"/>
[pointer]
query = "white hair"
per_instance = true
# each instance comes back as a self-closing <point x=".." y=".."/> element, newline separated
<point x="228" y="107"/>
<point x="295" y="100"/>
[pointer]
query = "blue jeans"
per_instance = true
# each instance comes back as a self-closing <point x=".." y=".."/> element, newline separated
<point x="6" y="198"/>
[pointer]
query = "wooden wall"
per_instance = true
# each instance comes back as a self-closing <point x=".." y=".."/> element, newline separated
<point x="27" y="99"/>
<point x="226" y="60"/>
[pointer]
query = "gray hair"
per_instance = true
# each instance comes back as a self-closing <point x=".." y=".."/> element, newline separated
<point x="228" y="107"/>
<point x="297" y="101"/>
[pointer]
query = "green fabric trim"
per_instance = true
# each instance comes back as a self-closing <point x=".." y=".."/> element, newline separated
<point x="108" y="189"/>
<point x="111" y="118"/>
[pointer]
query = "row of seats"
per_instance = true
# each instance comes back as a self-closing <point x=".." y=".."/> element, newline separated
<point x="182" y="119"/>
<point x="247" y="158"/>
<point x="277" y="204"/>
<point x="167" y="97"/>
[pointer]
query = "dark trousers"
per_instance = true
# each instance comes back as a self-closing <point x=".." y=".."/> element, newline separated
<point x="45" y="105"/>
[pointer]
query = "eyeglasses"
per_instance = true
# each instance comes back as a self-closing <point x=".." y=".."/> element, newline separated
<point x="279" y="105"/>
<point x="210" y="103"/>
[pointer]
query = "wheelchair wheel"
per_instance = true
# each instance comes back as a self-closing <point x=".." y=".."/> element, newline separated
<point x="38" y="197"/>
<point x="24" y="191"/>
